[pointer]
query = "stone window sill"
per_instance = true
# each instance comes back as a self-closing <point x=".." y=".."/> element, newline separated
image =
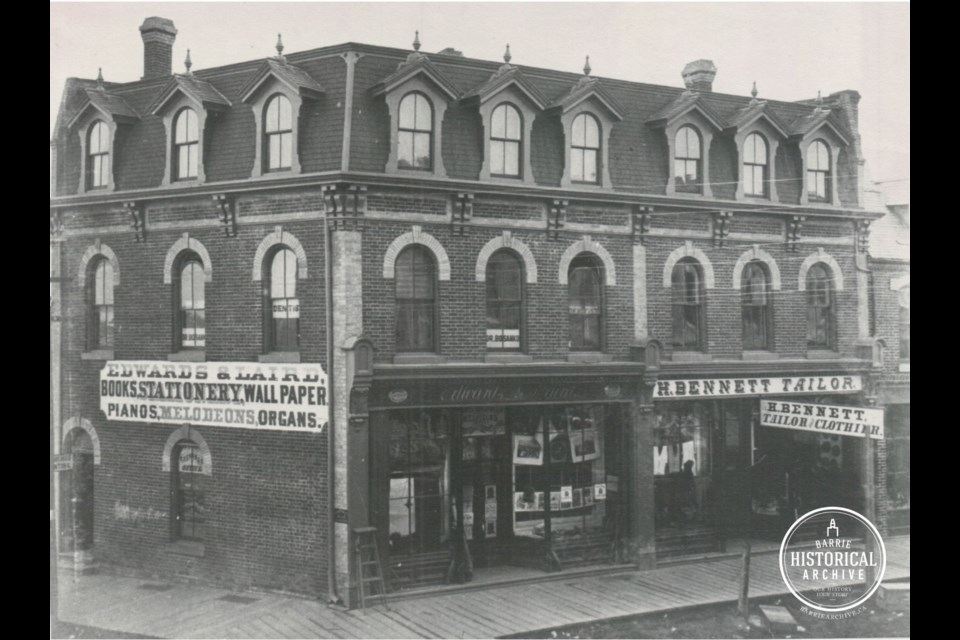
<point x="418" y="358"/>
<point x="507" y="357"/>
<point x="288" y="357"/>
<point x="97" y="354"/>
<point x="690" y="356"/>
<point x="589" y="356"/>
<point x="760" y="355"/>
<point x="187" y="356"/>
<point x="186" y="548"/>
<point x="821" y="354"/>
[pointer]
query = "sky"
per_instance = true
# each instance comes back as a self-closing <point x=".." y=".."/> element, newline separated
<point x="791" y="50"/>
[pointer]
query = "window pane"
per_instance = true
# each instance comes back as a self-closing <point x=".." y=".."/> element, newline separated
<point x="274" y="152"/>
<point x="407" y="111"/>
<point x="498" y="124"/>
<point x="761" y="150"/>
<point x="578" y="135"/>
<point x="512" y="159"/>
<point x="421" y="150"/>
<point x="193" y="151"/>
<point x="286" y="150"/>
<point x="693" y="144"/>
<point x="98" y="138"/>
<point x="812" y="182"/>
<point x="513" y="123"/>
<point x="823" y="157"/>
<point x="590" y="166"/>
<point x="592" y="132"/>
<point x="180" y="133"/>
<point x="193" y="134"/>
<point x="821" y="184"/>
<point x="576" y="164"/>
<point x="405" y="151"/>
<point x="424" y="119"/>
<point x="272" y="119"/>
<point x="285" y="119"/>
<point x="496" y="157"/>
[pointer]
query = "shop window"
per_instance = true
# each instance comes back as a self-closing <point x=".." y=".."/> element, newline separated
<point x="99" y="293"/>
<point x="504" y="301"/>
<point x="98" y="156"/>
<point x="818" y="172"/>
<point x="278" y="134"/>
<point x="689" y="316"/>
<point x="416" y="297"/>
<point x="585" y="149"/>
<point x="820" y="318"/>
<point x="755" y="301"/>
<point x="898" y="455"/>
<point x="282" y="305"/>
<point x="186" y="145"/>
<point x="755" y="161"/>
<point x="687" y="162"/>
<point x="506" y="136"/>
<point x="904" y="306"/>
<point x="190" y="321"/>
<point x="415" y="133"/>
<point x="682" y="465"/>
<point x="189" y="500"/>
<point x="585" y="297"/>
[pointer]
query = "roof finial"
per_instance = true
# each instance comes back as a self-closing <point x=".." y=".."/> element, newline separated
<point x="416" y="41"/>
<point x="754" y="92"/>
<point x="819" y="100"/>
<point x="279" y="47"/>
<point x="586" y="67"/>
<point x="506" y="55"/>
<point x="188" y="62"/>
<point x="100" y="78"/>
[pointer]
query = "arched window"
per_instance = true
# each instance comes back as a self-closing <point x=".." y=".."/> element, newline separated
<point x="98" y="156"/>
<point x="505" y="140"/>
<point x="689" y="317"/>
<point x="190" y="321"/>
<point x="585" y="295"/>
<point x="186" y="145"/>
<point x="416" y="295"/>
<point x="757" y="307"/>
<point x="585" y="149"/>
<point x="283" y="307"/>
<point x="415" y="133"/>
<point x="189" y="501"/>
<point x="278" y="134"/>
<point x="903" y="297"/>
<point x="755" y="164"/>
<point x="504" y="301"/>
<point x="820" y="323"/>
<point x="818" y="171"/>
<point x="688" y="155"/>
<point x="99" y="293"/>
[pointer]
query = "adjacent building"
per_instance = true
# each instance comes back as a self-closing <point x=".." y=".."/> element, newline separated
<point x="507" y="316"/>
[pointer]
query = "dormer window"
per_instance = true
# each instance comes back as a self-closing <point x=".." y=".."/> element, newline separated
<point x="278" y="134"/>
<point x="186" y="145"/>
<point x="98" y="156"/>
<point x="505" y="141"/>
<point x="585" y="149"/>
<point x="755" y="166"/>
<point x="687" y="161"/>
<point x="818" y="172"/>
<point x="415" y="135"/>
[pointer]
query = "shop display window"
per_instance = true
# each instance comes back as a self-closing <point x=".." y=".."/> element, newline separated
<point x="682" y="464"/>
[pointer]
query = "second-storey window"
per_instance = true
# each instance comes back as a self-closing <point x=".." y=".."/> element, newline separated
<point x="755" y="166"/>
<point x="278" y="134"/>
<point x="283" y="324"/>
<point x="904" y="300"/>
<point x="688" y="305"/>
<point x="99" y="292"/>
<point x="416" y="296"/>
<point x="504" y="301"/>
<point x="585" y="149"/>
<point x="415" y="133"/>
<point x="191" y="311"/>
<point x="687" y="160"/>
<point x="585" y="297"/>
<point x="818" y="171"/>
<point x="186" y="145"/>
<point x="819" y="308"/>
<point x="505" y="139"/>
<point x="757" y="310"/>
<point x="98" y="156"/>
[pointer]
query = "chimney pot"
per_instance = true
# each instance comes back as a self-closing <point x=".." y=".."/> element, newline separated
<point x="158" y="35"/>
<point x="699" y="74"/>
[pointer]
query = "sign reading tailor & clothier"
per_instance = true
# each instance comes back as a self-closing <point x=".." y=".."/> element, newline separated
<point x="836" y="420"/>
<point x="722" y="387"/>
<point x="273" y="397"/>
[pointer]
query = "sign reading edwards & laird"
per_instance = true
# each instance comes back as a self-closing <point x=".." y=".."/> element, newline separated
<point x="274" y="397"/>
<point x="722" y="387"/>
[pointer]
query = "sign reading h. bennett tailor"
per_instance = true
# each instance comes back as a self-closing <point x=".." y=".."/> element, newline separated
<point x="275" y="397"/>
<point x="722" y="387"/>
<point x="841" y="421"/>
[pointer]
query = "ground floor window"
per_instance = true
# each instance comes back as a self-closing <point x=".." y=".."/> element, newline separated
<point x="682" y="464"/>
<point x="898" y="455"/>
<point x="189" y="500"/>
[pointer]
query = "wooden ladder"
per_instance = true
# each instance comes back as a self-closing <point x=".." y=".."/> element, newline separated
<point x="369" y="569"/>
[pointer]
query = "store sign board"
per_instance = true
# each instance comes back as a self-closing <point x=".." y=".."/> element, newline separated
<point x="271" y="397"/>
<point x="822" y="418"/>
<point x="726" y="387"/>
<point x="63" y="462"/>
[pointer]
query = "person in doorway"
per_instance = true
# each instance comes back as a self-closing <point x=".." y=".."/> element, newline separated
<point x="687" y="493"/>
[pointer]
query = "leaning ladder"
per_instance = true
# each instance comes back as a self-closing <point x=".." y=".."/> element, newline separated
<point x="369" y="569"/>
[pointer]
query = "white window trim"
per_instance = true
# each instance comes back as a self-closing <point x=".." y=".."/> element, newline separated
<point x="187" y="432"/>
<point x="416" y="236"/>
<point x="688" y="251"/>
<point x="438" y="101"/>
<point x="267" y="89"/>
<point x="597" y="109"/>
<point x="94" y="250"/>
<point x="756" y="253"/>
<point x="820" y="256"/>
<point x="772" y="138"/>
<point x="514" y="97"/>
<point x="83" y="129"/>
<point x="586" y="244"/>
<point x="278" y="237"/>
<point x="84" y="425"/>
<point x="506" y="241"/>
<point x="833" y="143"/>
<point x="171" y="109"/>
<point x="705" y="129"/>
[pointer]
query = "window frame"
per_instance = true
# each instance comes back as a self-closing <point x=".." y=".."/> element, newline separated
<point x="520" y="302"/>
<point x="506" y="140"/>
<point x="678" y="308"/>
<point x="91" y="166"/>
<point x="185" y="259"/>
<point x="415" y="131"/>
<point x="176" y="144"/>
<point x="683" y="187"/>
<point x="597" y="151"/>
<point x="176" y="494"/>
<point x="765" y="324"/>
<point x="595" y="263"/>
<point x="271" y="335"/>
<point x="815" y="285"/>
<point x="903" y="324"/>
<point x="267" y="134"/>
<point x="100" y="336"/>
<point x="827" y="173"/>
<point x="750" y="167"/>
<point x="434" y="313"/>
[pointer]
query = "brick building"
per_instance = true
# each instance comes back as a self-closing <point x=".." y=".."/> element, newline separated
<point x="551" y="311"/>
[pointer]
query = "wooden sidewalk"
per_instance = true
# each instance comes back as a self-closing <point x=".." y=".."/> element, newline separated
<point x="187" y="611"/>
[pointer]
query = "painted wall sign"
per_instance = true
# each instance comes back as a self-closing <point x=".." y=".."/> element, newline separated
<point x="721" y="387"/>
<point x="274" y="397"/>
<point x="836" y="420"/>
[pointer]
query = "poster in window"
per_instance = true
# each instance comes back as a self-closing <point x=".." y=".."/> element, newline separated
<point x="528" y="450"/>
<point x="503" y="338"/>
<point x="486" y="449"/>
<point x="468" y="519"/>
<point x="469" y="449"/>
<point x="286" y="308"/>
<point x="583" y="445"/>
<point x="560" y="449"/>
<point x="484" y="422"/>
<point x="491" y="528"/>
<point x="555" y="501"/>
<point x="540" y="501"/>
<point x="491" y="493"/>
<point x="490" y="511"/>
<point x="600" y="491"/>
<point x="191" y="460"/>
<point x="566" y="494"/>
<point x="587" y="496"/>
<point x="520" y="503"/>
<point x="577" y="498"/>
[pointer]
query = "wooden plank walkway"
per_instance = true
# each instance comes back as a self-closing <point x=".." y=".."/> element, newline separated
<point x="189" y="611"/>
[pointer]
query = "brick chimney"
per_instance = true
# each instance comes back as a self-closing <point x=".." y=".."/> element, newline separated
<point x="158" y="35"/>
<point x="699" y="74"/>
